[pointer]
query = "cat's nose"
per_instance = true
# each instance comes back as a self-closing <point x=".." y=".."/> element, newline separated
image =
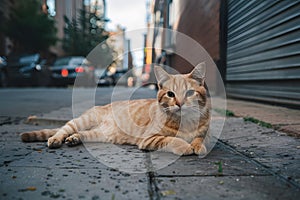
<point x="179" y="103"/>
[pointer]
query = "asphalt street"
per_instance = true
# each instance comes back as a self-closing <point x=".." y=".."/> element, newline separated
<point x="27" y="101"/>
<point x="22" y="102"/>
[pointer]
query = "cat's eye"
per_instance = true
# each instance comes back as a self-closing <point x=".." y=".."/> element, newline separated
<point x="170" y="94"/>
<point x="189" y="93"/>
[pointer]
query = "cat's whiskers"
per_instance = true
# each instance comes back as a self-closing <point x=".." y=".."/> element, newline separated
<point x="197" y="109"/>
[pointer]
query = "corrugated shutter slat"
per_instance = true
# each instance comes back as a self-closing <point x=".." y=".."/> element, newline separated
<point x="263" y="50"/>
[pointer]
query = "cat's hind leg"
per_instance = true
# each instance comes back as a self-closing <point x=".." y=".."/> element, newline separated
<point x="40" y="135"/>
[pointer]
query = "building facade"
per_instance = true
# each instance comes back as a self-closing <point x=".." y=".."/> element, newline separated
<point x="263" y="50"/>
<point x="198" y="20"/>
<point x="71" y="10"/>
<point x="255" y="44"/>
<point x="122" y="54"/>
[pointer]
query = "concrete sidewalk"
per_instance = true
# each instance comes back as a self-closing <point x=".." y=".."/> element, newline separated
<point x="248" y="162"/>
<point x="283" y="119"/>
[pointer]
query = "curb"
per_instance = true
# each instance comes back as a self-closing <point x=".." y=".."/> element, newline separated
<point x="38" y="121"/>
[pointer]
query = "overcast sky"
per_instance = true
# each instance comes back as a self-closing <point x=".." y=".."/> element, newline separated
<point x="130" y="14"/>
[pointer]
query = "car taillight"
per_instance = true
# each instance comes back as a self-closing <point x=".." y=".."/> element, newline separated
<point x="79" y="69"/>
<point x="64" y="72"/>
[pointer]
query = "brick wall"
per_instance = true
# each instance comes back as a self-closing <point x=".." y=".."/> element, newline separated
<point x="198" y="19"/>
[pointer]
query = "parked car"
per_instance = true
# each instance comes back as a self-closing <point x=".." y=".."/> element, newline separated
<point x="108" y="78"/>
<point x="65" y="71"/>
<point x="121" y="77"/>
<point x="25" y="70"/>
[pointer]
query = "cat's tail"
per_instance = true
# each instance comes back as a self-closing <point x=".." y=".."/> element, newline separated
<point x="40" y="135"/>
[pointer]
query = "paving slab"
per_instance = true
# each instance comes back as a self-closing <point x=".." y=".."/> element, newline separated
<point x="276" y="115"/>
<point x="281" y="118"/>
<point x="73" y="183"/>
<point x="232" y="187"/>
<point x="239" y="178"/>
<point x="231" y="164"/>
<point x="32" y="171"/>
<point x="271" y="148"/>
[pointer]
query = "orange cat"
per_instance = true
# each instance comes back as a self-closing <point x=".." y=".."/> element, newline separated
<point x="177" y="121"/>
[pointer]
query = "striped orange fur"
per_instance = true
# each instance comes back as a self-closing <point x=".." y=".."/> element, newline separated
<point x="177" y="121"/>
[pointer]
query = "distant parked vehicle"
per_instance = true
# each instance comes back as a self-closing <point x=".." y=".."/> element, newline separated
<point x="104" y="77"/>
<point x="65" y="71"/>
<point x="25" y="70"/>
<point x="118" y="77"/>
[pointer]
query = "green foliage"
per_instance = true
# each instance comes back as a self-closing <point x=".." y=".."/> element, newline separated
<point x="223" y="112"/>
<point x="84" y="34"/>
<point x="29" y="28"/>
<point x="259" y="122"/>
<point x="220" y="167"/>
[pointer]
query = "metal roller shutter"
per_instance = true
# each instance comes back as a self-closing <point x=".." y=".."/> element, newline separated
<point x="263" y="50"/>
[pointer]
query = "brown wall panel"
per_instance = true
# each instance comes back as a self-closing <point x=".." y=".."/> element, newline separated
<point x="199" y="19"/>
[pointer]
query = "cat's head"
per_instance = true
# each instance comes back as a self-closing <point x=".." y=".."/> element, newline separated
<point x="181" y="94"/>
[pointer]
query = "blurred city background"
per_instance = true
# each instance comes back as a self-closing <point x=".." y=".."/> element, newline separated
<point x="255" y="44"/>
<point x="46" y="45"/>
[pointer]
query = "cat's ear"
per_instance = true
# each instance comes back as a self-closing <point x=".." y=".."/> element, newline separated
<point x="198" y="73"/>
<point x="161" y="75"/>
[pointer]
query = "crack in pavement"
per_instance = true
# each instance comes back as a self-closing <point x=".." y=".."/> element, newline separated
<point x="211" y="175"/>
<point x="153" y="189"/>
<point x="6" y="120"/>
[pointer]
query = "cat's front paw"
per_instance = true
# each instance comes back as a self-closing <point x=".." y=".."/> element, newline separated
<point x="73" y="140"/>
<point x="54" y="143"/>
<point x="199" y="149"/>
<point x="198" y="146"/>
